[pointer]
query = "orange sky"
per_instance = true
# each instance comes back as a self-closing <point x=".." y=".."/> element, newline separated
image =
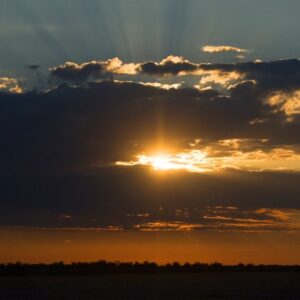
<point x="32" y="245"/>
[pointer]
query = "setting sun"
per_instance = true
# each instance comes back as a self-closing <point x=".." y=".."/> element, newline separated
<point x="193" y="161"/>
<point x="158" y="162"/>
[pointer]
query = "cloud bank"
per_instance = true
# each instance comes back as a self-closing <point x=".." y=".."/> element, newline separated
<point x="59" y="147"/>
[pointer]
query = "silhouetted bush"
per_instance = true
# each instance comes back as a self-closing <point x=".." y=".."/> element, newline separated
<point x="104" y="267"/>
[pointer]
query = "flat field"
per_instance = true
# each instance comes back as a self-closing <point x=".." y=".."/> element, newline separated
<point x="245" y="285"/>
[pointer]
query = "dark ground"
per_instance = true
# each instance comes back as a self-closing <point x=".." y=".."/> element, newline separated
<point x="257" y="285"/>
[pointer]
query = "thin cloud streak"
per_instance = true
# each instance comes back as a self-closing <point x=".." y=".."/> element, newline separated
<point x="222" y="48"/>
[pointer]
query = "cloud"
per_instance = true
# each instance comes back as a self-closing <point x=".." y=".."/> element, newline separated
<point x="71" y="71"/>
<point x="78" y="72"/>
<point x="58" y="148"/>
<point x="34" y="67"/>
<point x="283" y="215"/>
<point x="164" y="86"/>
<point x="66" y="217"/>
<point x="167" y="226"/>
<point x="224" y="218"/>
<point x="217" y="49"/>
<point x="210" y="218"/>
<point x="171" y="65"/>
<point x="113" y="121"/>
<point x="282" y="75"/>
<point x="107" y="196"/>
<point x="217" y="77"/>
<point x="223" y="154"/>
<point x="11" y="85"/>
<point x="288" y="103"/>
<point x="275" y="75"/>
<point x="116" y="66"/>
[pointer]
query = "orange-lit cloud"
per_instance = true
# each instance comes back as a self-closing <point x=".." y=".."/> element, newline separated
<point x="93" y="69"/>
<point x="173" y="59"/>
<point x="11" y="85"/>
<point x="164" y="86"/>
<point x="218" y="77"/>
<point x="224" y="219"/>
<point x="115" y="65"/>
<point x="288" y="103"/>
<point x="222" y="48"/>
<point x="241" y="154"/>
<point x="108" y="228"/>
<point x="167" y="226"/>
<point x="213" y="218"/>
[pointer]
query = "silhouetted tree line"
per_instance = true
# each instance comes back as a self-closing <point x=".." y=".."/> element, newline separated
<point x="104" y="267"/>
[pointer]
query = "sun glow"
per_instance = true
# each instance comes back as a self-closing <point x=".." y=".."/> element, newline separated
<point x="157" y="162"/>
<point x="194" y="161"/>
<point x="222" y="155"/>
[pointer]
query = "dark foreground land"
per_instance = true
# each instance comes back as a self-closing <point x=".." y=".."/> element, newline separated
<point x="205" y="285"/>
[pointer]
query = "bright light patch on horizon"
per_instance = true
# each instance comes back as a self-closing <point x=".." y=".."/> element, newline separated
<point x="193" y="161"/>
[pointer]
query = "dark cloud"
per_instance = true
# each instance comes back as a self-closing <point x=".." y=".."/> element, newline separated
<point x="255" y="70"/>
<point x="270" y="76"/>
<point x="78" y="72"/>
<point x="274" y="75"/>
<point x="281" y="75"/>
<point x="34" y="67"/>
<point x="58" y="148"/>
<point x="108" y="196"/>
<point x="112" y="121"/>
<point x="167" y="68"/>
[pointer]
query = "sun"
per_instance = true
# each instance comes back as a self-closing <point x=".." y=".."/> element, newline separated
<point x="161" y="163"/>
<point x="192" y="161"/>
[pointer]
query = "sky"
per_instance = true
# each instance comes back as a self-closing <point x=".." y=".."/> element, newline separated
<point x="136" y="130"/>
